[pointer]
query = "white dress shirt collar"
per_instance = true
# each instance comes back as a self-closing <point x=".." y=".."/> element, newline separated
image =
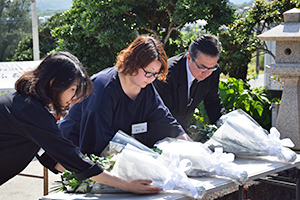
<point x="190" y="78"/>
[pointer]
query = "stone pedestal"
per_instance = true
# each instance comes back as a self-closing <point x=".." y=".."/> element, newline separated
<point x="287" y="66"/>
<point x="288" y="117"/>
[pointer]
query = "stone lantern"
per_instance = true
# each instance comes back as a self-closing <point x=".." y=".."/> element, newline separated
<point x="287" y="67"/>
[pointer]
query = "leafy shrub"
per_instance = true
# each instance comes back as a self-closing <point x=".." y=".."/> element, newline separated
<point x="235" y="94"/>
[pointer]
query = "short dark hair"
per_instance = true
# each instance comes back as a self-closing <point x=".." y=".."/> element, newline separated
<point x="206" y="44"/>
<point x="140" y="53"/>
<point x="55" y="74"/>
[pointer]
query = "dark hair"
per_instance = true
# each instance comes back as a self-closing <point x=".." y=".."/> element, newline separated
<point x="140" y="53"/>
<point x="55" y="74"/>
<point x="206" y="44"/>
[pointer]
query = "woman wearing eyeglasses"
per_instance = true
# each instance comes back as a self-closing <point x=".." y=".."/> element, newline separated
<point x="124" y="99"/>
<point x="194" y="77"/>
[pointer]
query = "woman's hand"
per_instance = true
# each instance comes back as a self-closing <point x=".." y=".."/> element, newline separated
<point x="138" y="186"/>
<point x="141" y="186"/>
<point x="59" y="167"/>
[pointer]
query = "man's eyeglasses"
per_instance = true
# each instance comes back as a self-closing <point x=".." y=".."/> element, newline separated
<point x="203" y="68"/>
<point x="150" y="74"/>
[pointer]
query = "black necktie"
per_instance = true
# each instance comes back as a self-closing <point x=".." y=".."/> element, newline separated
<point x="192" y="91"/>
<point x="193" y="88"/>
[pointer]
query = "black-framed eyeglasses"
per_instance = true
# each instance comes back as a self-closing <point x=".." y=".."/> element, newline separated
<point x="203" y="68"/>
<point x="150" y="74"/>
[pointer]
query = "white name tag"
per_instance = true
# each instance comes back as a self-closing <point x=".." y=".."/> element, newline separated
<point x="139" y="128"/>
<point x="41" y="152"/>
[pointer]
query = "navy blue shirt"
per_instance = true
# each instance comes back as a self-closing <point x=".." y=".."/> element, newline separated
<point x="92" y="123"/>
<point x="26" y="126"/>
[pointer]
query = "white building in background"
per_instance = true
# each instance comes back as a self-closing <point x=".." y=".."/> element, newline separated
<point x="199" y="24"/>
<point x="11" y="71"/>
<point x="242" y="10"/>
<point x="44" y="19"/>
<point x="269" y="82"/>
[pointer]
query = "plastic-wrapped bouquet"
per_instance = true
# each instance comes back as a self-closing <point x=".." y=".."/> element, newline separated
<point x="203" y="160"/>
<point x="138" y="161"/>
<point x="242" y="135"/>
<point x="121" y="139"/>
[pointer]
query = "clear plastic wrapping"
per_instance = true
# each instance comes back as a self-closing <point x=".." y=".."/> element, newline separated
<point x="203" y="160"/>
<point x="242" y="135"/>
<point x="134" y="162"/>
<point x="121" y="139"/>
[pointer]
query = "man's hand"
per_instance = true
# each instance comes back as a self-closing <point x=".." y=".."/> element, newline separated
<point x="184" y="137"/>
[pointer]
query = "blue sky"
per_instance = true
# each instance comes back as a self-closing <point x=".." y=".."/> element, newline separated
<point x="54" y="5"/>
<point x="239" y="1"/>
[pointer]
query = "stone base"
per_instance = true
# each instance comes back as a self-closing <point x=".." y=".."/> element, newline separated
<point x="288" y="119"/>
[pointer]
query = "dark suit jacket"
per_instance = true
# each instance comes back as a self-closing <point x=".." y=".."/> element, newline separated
<point x="174" y="92"/>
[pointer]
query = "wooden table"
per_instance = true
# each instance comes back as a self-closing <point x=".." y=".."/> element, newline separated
<point x="256" y="168"/>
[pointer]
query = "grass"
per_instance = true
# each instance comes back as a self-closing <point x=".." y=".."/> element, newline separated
<point x="252" y="65"/>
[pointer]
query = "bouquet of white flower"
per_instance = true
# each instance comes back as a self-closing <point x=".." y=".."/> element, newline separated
<point x="242" y="135"/>
<point x="203" y="160"/>
<point x="121" y="139"/>
<point x="136" y="161"/>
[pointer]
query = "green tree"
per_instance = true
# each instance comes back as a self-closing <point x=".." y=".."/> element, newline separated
<point x="240" y="40"/>
<point x="96" y="31"/>
<point x="47" y="43"/>
<point x="14" y="25"/>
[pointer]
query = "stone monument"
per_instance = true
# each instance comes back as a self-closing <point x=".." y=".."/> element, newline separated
<point x="287" y="67"/>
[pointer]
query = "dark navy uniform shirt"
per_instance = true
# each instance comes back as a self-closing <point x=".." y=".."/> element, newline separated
<point x="92" y="123"/>
<point x="25" y="127"/>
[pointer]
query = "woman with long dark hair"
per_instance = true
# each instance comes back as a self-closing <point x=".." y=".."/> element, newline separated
<point x="29" y="128"/>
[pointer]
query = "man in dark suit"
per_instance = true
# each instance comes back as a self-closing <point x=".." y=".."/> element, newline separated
<point x="194" y="77"/>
